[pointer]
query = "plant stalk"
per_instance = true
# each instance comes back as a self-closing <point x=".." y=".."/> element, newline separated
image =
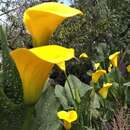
<point x="75" y="105"/>
<point x="28" y="118"/>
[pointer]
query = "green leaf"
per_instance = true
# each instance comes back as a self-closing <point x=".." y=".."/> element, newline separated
<point x="128" y="95"/>
<point x="46" y="111"/>
<point x="69" y="90"/>
<point x="95" y="113"/>
<point x="11" y="79"/>
<point x="60" y="94"/>
<point x="127" y="92"/>
<point x="115" y="89"/>
<point x="1" y="78"/>
<point x="96" y="103"/>
<point x="77" y="84"/>
<point x="75" y="89"/>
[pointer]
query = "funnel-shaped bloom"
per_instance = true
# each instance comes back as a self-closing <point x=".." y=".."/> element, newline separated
<point x="42" y="20"/>
<point x="96" y="65"/>
<point x="67" y="117"/>
<point x="104" y="90"/>
<point x="96" y="75"/>
<point x="114" y="58"/>
<point x="34" y="66"/>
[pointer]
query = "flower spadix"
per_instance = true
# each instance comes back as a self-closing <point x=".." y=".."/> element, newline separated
<point x="34" y="66"/>
<point x="114" y="58"/>
<point x="67" y="117"/>
<point x="104" y="90"/>
<point x="97" y="74"/>
<point x="42" y="20"/>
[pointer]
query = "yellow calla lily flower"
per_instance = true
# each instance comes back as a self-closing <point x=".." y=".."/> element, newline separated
<point x="34" y="66"/>
<point x="83" y="55"/>
<point x="104" y="90"/>
<point x="96" y="75"/>
<point x="97" y="65"/>
<point x="67" y="117"/>
<point x="110" y="68"/>
<point x="114" y="58"/>
<point x="128" y="68"/>
<point x="42" y="20"/>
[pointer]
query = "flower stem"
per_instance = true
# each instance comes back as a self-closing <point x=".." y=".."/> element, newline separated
<point x="69" y="86"/>
<point x="28" y="118"/>
<point x="73" y="96"/>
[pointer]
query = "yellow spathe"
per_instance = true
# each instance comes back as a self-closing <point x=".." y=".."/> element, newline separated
<point x="96" y="75"/>
<point x="53" y="53"/>
<point x="128" y="68"/>
<point x="97" y="65"/>
<point x="42" y="20"/>
<point x="104" y="90"/>
<point x="83" y="55"/>
<point x="34" y="66"/>
<point x="69" y="116"/>
<point x="110" y="68"/>
<point x="114" y="58"/>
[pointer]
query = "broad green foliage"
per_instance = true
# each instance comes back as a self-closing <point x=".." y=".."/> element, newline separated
<point x="61" y="95"/>
<point x="46" y="111"/>
<point x="11" y="81"/>
<point x="83" y="98"/>
<point x="127" y="92"/>
<point x="72" y="92"/>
